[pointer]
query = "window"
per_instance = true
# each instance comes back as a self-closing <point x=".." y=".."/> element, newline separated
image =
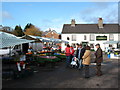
<point x="73" y="37"/>
<point x="85" y="37"/>
<point x="111" y="37"/>
<point x="68" y="38"/>
<point x="118" y="37"/>
<point x="92" y="37"/>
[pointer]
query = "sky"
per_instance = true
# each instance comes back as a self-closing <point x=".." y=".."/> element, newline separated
<point x="45" y="15"/>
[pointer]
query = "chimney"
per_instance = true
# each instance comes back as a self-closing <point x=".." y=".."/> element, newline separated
<point x="73" y="22"/>
<point x="49" y="29"/>
<point x="100" y="23"/>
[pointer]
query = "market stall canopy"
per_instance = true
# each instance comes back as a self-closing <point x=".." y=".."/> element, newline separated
<point x="8" y="40"/>
<point x="111" y="42"/>
<point x="43" y="39"/>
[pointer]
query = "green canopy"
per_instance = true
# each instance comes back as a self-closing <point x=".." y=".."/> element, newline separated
<point x="8" y="40"/>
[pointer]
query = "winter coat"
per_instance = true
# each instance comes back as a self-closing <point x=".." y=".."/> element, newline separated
<point x="81" y="53"/>
<point x="99" y="56"/>
<point x="86" y="57"/>
<point x="72" y="51"/>
<point x="67" y="51"/>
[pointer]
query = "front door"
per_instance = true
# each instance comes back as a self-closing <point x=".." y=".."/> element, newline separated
<point x="84" y="43"/>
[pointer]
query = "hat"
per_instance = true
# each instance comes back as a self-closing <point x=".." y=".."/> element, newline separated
<point x="97" y="44"/>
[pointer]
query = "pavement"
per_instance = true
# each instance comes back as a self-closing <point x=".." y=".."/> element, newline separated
<point x="62" y="77"/>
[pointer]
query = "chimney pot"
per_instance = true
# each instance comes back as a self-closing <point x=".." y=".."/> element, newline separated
<point x="100" y="18"/>
<point x="100" y="23"/>
<point x="73" y="22"/>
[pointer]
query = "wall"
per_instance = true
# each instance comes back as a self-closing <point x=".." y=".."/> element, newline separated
<point x="80" y="39"/>
<point x="52" y="35"/>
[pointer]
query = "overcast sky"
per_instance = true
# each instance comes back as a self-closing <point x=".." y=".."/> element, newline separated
<point x="54" y="14"/>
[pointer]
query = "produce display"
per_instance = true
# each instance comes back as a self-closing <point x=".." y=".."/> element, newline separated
<point x="60" y="55"/>
<point x="47" y="59"/>
<point x="29" y="53"/>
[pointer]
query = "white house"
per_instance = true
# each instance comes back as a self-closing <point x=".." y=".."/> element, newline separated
<point x="90" y="34"/>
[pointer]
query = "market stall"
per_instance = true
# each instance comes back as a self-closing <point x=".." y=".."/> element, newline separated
<point x="52" y="60"/>
<point x="113" y="52"/>
<point x="48" y="50"/>
<point x="9" y="41"/>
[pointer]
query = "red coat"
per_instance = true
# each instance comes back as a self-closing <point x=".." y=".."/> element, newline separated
<point x="67" y="51"/>
<point x="72" y="51"/>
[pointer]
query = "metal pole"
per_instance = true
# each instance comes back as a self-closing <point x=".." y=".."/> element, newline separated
<point x="9" y="60"/>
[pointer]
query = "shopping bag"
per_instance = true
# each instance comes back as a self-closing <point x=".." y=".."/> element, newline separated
<point x="73" y="63"/>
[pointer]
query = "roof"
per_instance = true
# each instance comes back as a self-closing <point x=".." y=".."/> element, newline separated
<point x="90" y="28"/>
<point x="8" y="40"/>
<point x="46" y="32"/>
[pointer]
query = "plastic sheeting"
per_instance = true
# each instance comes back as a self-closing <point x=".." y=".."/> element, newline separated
<point x="111" y="42"/>
<point x="8" y="40"/>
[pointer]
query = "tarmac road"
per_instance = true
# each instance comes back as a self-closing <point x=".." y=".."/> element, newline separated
<point x="62" y="77"/>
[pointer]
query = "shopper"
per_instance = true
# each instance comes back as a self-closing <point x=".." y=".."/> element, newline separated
<point x="71" y="53"/>
<point x="67" y="52"/>
<point x="86" y="61"/>
<point x="79" y="53"/>
<point x="99" y="59"/>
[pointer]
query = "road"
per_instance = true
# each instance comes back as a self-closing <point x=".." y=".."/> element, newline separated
<point x="62" y="77"/>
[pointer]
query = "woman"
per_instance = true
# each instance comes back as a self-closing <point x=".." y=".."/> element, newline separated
<point x="71" y="53"/>
<point x="86" y="61"/>
<point x="67" y="52"/>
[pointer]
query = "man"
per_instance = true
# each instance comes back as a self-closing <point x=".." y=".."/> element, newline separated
<point x="99" y="59"/>
<point x="79" y="54"/>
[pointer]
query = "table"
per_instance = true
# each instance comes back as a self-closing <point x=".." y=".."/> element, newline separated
<point x="47" y="59"/>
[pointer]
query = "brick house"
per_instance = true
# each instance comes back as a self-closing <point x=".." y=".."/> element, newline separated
<point x="52" y="34"/>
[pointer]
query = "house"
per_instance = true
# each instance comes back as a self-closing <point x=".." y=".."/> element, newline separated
<point x="90" y="34"/>
<point x="6" y="29"/>
<point x="50" y="34"/>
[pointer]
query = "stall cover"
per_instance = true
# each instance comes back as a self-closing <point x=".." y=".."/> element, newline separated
<point x="8" y="40"/>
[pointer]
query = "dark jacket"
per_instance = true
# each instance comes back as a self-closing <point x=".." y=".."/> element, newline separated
<point x="81" y="53"/>
<point x="99" y="55"/>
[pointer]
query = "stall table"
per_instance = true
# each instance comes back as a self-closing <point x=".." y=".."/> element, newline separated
<point x="47" y="59"/>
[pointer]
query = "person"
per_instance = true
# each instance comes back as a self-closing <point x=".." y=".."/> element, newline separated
<point x="86" y="61"/>
<point x="21" y="63"/>
<point x="25" y="47"/>
<point x="79" y="53"/>
<point x="67" y="52"/>
<point x="77" y="46"/>
<point x="99" y="59"/>
<point x="59" y="48"/>
<point x="30" y="50"/>
<point x="29" y="54"/>
<point x="71" y="53"/>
